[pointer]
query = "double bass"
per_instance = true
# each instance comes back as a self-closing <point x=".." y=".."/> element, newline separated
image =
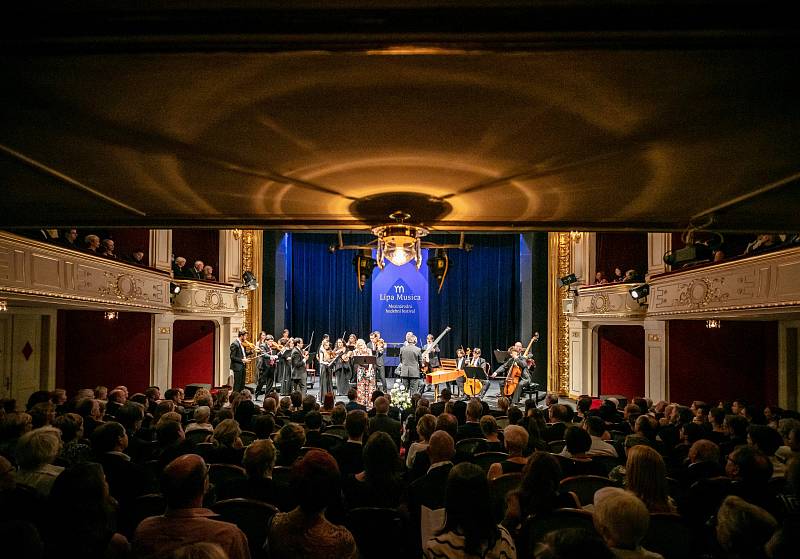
<point x="515" y="374"/>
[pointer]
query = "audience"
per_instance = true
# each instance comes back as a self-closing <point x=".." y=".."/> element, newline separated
<point x="35" y="453"/>
<point x="743" y="529"/>
<point x="622" y="520"/>
<point x="516" y="441"/>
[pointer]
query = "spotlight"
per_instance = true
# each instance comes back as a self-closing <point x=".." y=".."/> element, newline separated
<point x="567" y="280"/>
<point x="174" y="288"/>
<point x="640" y="291"/>
<point x="439" y="264"/>
<point x="249" y="280"/>
<point x="363" y="264"/>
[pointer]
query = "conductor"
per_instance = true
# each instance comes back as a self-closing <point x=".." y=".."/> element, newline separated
<point x="410" y="363"/>
<point x="238" y="360"/>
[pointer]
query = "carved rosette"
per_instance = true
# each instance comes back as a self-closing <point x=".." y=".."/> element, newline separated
<point x="122" y="286"/>
<point x="559" y="265"/>
<point x="252" y="258"/>
<point x="700" y="292"/>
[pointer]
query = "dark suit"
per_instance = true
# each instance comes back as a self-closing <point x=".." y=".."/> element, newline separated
<point x="298" y="371"/>
<point x="237" y="365"/>
<point x="314" y="438"/>
<point x="382" y="422"/>
<point x="194" y="273"/>
<point x="525" y="378"/>
<point x="437" y="408"/>
<point x="426" y="491"/>
<point x="350" y="458"/>
<point x="410" y="362"/>
<point x="380" y="373"/>
<point x="266" y="372"/>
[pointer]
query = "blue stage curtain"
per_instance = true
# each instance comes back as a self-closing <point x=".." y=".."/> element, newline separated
<point x="480" y="296"/>
<point x="322" y="295"/>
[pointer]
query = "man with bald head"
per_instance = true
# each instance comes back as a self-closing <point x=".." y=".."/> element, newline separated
<point x="382" y="421"/>
<point x="183" y="483"/>
<point x="428" y="491"/>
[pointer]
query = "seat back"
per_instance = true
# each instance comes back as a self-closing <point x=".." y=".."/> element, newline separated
<point x="584" y="487"/>
<point x="248" y="437"/>
<point x="486" y="459"/>
<point x="668" y="535"/>
<point x="143" y="506"/>
<point x="219" y="474"/>
<point x="535" y="527"/>
<point x="204" y="449"/>
<point x="252" y="517"/>
<point x="502" y="421"/>
<point x="557" y="446"/>
<point x="499" y="488"/>
<point x="369" y="526"/>
<point x="467" y="447"/>
<point x="198" y="436"/>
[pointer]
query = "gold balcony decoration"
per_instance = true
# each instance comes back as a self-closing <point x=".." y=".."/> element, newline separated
<point x="559" y="266"/>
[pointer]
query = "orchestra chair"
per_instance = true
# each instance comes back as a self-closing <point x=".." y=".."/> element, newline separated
<point x="535" y="527"/>
<point x="584" y="487"/>
<point x="466" y="448"/>
<point x="499" y="488"/>
<point x="486" y="459"/>
<point x="248" y="437"/>
<point x="668" y="535"/>
<point x="557" y="446"/>
<point x="198" y="436"/>
<point x="219" y="474"/>
<point x="369" y="526"/>
<point x="252" y="517"/>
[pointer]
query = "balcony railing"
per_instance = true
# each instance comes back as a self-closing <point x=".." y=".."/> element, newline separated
<point x="612" y="300"/>
<point x="202" y="297"/>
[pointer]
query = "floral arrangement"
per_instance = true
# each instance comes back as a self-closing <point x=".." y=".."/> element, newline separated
<point x="400" y="396"/>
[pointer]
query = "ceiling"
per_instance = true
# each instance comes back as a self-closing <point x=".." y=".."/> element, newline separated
<point x="469" y="116"/>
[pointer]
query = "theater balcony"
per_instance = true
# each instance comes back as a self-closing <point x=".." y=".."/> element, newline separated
<point x="207" y="298"/>
<point x="607" y="301"/>
<point x="35" y="272"/>
<point x="751" y="287"/>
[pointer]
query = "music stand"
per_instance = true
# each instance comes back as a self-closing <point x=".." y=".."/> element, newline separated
<point x="476" y="373"/>
<point x="365" y="360"/>
<point x="501" y="356"/>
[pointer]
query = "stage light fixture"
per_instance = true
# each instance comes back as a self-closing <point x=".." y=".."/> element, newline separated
<point x="364" y="264"/>
<point x="249" y="281"/>
<point x="174" y="288"/>
<point x="640" y="291"/>
<point x="566" y="281"/>
<point x="439" y="264"/>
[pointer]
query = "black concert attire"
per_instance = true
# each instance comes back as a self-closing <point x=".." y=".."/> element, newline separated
<point x="325" y="374"/>
<point x="285" y="371"/>
<point x="433" y="363"/>
<point x="298" y="363"/>
<point x="410" y="362"/>
<point x="380" y="373"/>
<point x="238" y="355"/>
<point x="266" y="368"/>
<point x="524" y="380"/>
<point x="342" y="372"/>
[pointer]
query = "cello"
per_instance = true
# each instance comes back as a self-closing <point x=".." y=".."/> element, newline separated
<point x="515" y="373"/>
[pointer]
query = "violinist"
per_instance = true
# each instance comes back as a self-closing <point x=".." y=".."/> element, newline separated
<point x="432" y="361"/>
<point x="325" y="357"/>
<point x="341" y="367"/>
<point x="265" y="364"/>
<point x="515" y="359"/>
<point x="298" y="359"/>
<point x="378" y="347"/>
<point x="239" y="360"/>
<point x="284" y="367"/>
<point x="351" y="347"/>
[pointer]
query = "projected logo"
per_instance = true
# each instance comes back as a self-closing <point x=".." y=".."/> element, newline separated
<point x="400" y="302"/>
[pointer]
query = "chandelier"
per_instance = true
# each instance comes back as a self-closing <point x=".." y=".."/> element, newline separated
<point x="399" y="243"/>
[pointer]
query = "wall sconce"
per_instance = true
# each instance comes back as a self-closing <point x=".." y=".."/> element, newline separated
<point x="3" y="305"/>
<point x="713" y="323"/>
<point x="111" y="315"/>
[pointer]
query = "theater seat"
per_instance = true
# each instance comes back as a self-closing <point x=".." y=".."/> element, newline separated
<point x="370" y="526"/>
<point x="252" y="517"/>
<point x="668" y="535"/>
<point x="584" y="487"/>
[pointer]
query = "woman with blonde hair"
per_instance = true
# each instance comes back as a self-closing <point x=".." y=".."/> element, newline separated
<point x="228" y="447"/>
<point x="646" y="477"/>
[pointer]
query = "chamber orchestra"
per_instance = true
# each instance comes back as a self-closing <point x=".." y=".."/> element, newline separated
<point x="288" y="364"/>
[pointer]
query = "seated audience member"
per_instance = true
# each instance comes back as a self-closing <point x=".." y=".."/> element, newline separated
<point x="179" y="269"/>
<point x="126" y="480"/>
<point x="245" y="412"/>
<point x="515" y="439"/>
<point x="258" y="461"/>
<point x="69" y="239"/>
<point x="338" y="416"/>
<point x="289" y="441"/>
<point x="469" y="529"/>
<point x="305" y="531"/>
<point x="736" y="425"/>
<point x="622" y="520"/>
<point x="559" y="415"/>
<point x="107" y="249"/>
<point x="208" y="273"/>
<point x="91" y="244"/>
<point x="535" y="424"/>
<point x="515" y="415"/>
<point x="136" y="258"/>
<point x="426" y="425"/>
<point x="202" y="415"/>
<point x="768" y="440"/>
<point x="751" y="470"/>
<point x="264" y="425"/>
<point x="379" y="484"/>
<point x="80" y="514"/>
<point x="17" y="503"/>
<point x="58" y="398"/>
<point x="646" y="477"/>
<point x="570" y="543"/>
<point x="170" y="442"/>
<point x="743" y="529"/>
<point x="35" y="453"/>
<point x="101" y="392"/>
<point x="350" y="455"/>
<point x="703" y="463"/>
<point x="447" y="422"/>
<point x="302" y="406"/>
<point x="197" y="270"/>
<point x="228" y="447"/>
<point x="73" y="450"/>
<point x="578" y="443"/>
<point x="791" y="440"/>
<point x="116" y="399"/>
<point x="11" y="429"/>
<point x="42" y="414"/>
<point x="140" y="441"/>
<point x="314" y="429"/>
<point x="538" y="492"/>
<point x="184" y="482"/>
<point x="490" y="433"/>
<point x="472" y="428"/>
<point x="382" y="421"/>
<point x="645" y="430"/>
<point x="202" y="550"/>
<point x="716" y="419"/>
<point x="351" y="401"/>
<point x="597" y="429"/>
<point x="89" y="410"/>
<point x="444" y="397"/>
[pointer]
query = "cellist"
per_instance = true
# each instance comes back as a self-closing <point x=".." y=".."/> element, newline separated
<point x="525" y="376"/>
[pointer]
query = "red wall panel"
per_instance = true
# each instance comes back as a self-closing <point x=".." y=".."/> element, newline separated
<point x="95" y="351"/>
<point x="739" y="360"/>
<point x="197" y="244"/>
<point x="192" y="352"/>
<point x="621" y="360"/>
<point x="620" y="250"/>
<point x="127" y="241"/>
